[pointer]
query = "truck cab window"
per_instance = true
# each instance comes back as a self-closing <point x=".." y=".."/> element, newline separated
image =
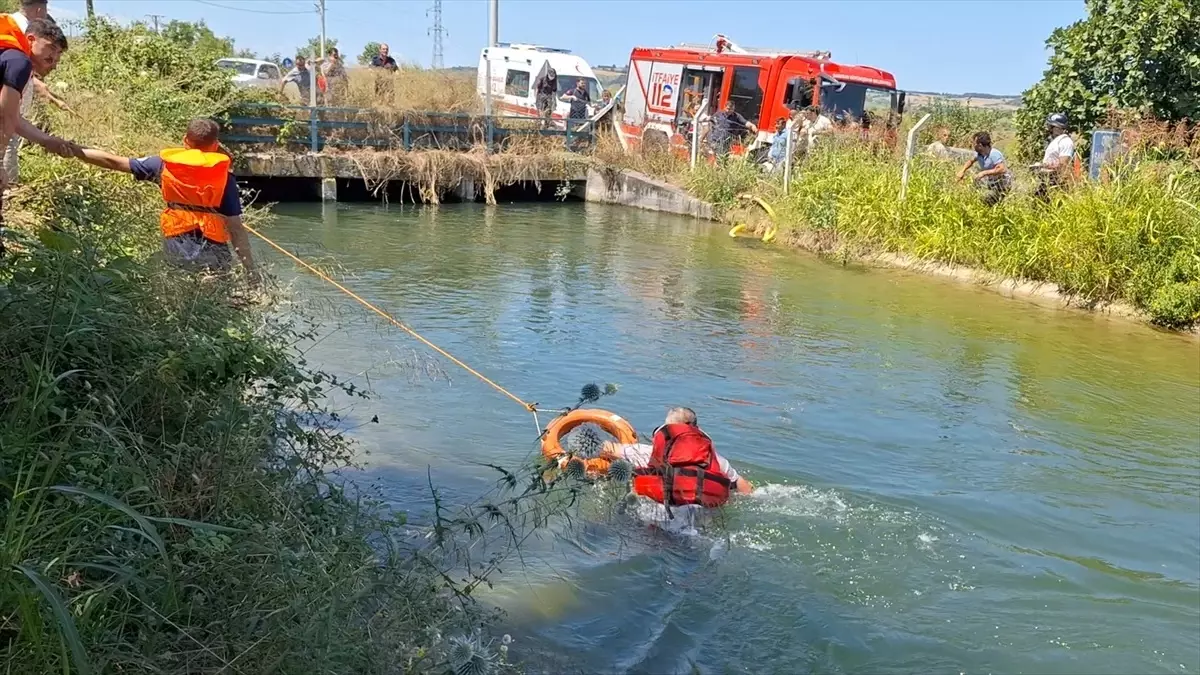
<point x="516" y="83"/>
<point x="745" y="94"/>
<point x="799" y="92"/>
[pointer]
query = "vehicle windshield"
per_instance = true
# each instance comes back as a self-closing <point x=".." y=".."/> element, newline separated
<point x="566" y="84"/>
<point x="850" y="102"/>
<point x="238" y="67"/>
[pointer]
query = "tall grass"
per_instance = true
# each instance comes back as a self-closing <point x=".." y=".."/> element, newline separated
<point x="1133" y="238"/>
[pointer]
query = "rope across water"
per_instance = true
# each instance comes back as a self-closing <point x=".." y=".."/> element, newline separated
<point x="531" y="407"/>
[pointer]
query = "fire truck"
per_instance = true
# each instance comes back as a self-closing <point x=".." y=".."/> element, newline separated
<point x="667" y="87"/>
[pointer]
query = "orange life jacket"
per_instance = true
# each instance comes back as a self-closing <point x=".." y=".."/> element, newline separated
<point x="12" y="37"/>
<point x="683" y="469"/>
<point x="193" y="182"/>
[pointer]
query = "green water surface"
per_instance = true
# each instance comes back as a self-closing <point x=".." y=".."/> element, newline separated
<point x="950" y="481"/>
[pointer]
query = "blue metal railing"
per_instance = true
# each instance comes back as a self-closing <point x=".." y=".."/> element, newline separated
<point x="367" y="128"/>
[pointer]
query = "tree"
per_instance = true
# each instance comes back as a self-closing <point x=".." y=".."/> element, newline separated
<point x="312" y="49"/>
<point x="199" y="37"/>
<point x="1141" y="55"/>
<point x="370" y="51"/>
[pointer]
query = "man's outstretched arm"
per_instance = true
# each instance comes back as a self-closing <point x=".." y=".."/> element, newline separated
<point x="104" y="160"/>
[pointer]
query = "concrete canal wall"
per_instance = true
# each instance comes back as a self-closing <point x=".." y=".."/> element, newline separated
<point x="326" y="175"/>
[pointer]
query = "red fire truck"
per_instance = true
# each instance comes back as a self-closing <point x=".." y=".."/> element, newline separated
<point x="667" y="85"/>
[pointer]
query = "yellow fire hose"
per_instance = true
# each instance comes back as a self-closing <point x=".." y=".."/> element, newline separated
<point x="772" y="229"/>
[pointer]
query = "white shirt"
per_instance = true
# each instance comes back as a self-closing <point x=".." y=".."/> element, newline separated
<point x="1061" y="147"/>
<point x="819" y="126"/>
<point x="638" y="454"/>
<point x="26" y="95"/>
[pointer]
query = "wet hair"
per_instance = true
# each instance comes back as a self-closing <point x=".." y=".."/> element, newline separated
<point x="202" y="133"/>
<point x="47" y="29"/>
<point x="813" y="109"/>
<point x="681" y="415"/>
<point x="25" y="4"/>
<point x="983" y="138"/>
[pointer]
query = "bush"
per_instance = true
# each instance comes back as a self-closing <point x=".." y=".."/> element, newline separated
<point x="159" y="82"/>
<point x="1140" y="55"/>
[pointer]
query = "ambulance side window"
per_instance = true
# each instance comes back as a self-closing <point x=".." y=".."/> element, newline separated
<point x="516" y="83"/>
<point x="798" y="91"/>
<point x="745" y="94"/>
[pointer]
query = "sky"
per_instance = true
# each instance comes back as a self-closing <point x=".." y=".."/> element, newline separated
<point x="953" y="46"/>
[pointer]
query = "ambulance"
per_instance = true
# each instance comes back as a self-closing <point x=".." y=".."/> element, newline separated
<point x="515" y="68"/>
<point x="666" y="87"/>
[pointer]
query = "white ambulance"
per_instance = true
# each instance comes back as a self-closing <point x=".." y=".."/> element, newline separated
<point x="515" y="68"/>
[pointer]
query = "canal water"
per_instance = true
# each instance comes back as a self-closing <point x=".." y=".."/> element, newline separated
<point x="949" y="481"/>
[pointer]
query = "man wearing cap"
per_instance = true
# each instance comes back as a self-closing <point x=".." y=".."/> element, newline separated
<point x="1059" y="155"/>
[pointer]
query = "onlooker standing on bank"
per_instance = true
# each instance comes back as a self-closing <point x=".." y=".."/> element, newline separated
<point x="302" y="77"/>
<point x="334" y="73"/>
<point x="384" y="60"/>
<point x="1059" y="156"/>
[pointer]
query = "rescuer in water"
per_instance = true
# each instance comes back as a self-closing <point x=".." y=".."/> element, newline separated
<point x="203" y="213"/>
<point x="681" y="464"/>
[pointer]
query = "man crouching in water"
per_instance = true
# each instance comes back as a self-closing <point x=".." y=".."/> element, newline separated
<point x="681" y="468"/>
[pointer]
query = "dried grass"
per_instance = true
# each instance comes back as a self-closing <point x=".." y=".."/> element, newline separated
<point x="408" y="90"/>
<point x="434" y="172"/>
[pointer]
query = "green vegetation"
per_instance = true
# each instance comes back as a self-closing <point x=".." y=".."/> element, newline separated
<point x="954" y="123"/>
<point x="312" y="48"/>
<point x="1135" y="238"/>
<point x="199" y="38"/>
<point x="1130" y="56"/>
<point x="169" y="495"/>
<point x="369" y="51"/>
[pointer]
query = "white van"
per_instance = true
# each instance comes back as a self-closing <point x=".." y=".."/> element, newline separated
<point x="251" y="72"/>
<point x="515" y="67"/>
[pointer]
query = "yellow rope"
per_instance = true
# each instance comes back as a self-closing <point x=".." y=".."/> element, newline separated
<point x="528" y="406"/>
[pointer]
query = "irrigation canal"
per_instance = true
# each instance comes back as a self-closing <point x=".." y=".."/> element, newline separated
<point x="951" y="481"/>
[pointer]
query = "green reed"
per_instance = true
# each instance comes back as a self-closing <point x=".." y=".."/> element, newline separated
<point x="1134" y="237"/>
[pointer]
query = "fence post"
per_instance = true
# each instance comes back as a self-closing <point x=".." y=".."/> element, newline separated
<point x="787" y="159"/>
<point x="314" y="141"/>
<point x="908" y="153"/>
<point x="407" y="135"/>
<point x="568" y="141"/>
<point x="487" y="101"/>
<point x="695" y="132"/>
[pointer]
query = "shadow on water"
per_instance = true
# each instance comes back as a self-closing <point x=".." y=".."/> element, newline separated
<point x="954" y="481"/>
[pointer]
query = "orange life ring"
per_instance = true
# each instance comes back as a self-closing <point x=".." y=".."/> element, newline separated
<point x="610" y="422"/>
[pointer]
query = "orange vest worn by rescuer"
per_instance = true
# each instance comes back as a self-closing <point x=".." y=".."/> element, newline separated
<point x="12" y="37"/>
<point x="683" y="469"/>
<point x="193" y="182"/>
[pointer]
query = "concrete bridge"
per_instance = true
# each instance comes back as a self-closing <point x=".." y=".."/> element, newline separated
<point x="298" y="153"/>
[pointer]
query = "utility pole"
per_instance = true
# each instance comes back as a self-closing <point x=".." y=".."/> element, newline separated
<point x="91" y="11"/>
<point x="493" y="22"/>
<point x="155" y="18"/>
<point x="437" y="31"/>
<point x="312" y="71"/>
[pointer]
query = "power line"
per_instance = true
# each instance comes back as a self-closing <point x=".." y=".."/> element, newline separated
<point x="437" y="31"/>
<point x="155" y="18"/>
<point x="253" y="11"/>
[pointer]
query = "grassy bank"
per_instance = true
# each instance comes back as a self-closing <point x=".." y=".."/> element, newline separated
<point x="1135" y="238"/>
<point x="169" y="495"/>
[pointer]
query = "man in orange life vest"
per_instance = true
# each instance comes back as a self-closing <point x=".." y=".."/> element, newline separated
<point x="23" y="52"/>
<point x="682" y="467"/>
<point x="204" y="211"/>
